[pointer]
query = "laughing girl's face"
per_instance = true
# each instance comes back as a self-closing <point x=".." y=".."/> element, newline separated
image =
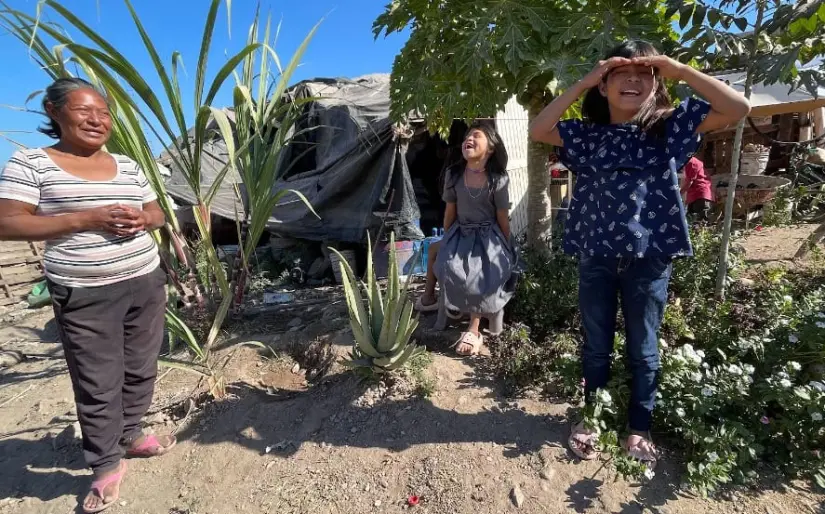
<point x="628" y="88"/>
<point x="475" y="146"/>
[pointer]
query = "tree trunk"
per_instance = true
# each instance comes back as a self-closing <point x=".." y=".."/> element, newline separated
<point x="539" y="217"/>
<point x="722" y="269"/>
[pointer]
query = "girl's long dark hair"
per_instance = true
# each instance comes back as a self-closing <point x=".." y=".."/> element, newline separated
<point x="654" y="111"/>
<point x="497" y="163"/>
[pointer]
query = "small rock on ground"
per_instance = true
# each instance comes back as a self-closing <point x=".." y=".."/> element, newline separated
<point x="547" y="473"/>
<point x="517" y="496"/>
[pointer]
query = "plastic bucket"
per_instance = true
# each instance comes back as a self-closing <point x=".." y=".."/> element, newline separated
<point x="39" y="296"/>
<point x="405" y="258"/>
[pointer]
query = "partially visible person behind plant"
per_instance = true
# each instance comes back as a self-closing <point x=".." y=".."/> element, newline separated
<point x="476" y="259"/>
<point x="627" y="222"/>
<point x="95" y="211"/>
<point x="696" y="187"/>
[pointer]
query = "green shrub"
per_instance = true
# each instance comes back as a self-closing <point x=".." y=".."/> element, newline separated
<point x="547" y="298"/>
<point x="742" y="382"/>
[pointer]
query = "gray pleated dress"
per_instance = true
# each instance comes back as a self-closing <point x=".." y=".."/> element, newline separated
<point x="476" y="265"/>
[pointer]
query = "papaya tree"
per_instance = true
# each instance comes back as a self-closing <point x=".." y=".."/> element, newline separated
<point x="467" y="59"/>
<point x="773" y="41"/>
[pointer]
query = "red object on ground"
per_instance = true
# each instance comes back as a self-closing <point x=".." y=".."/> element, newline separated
<point x="412" y="501"/>
<point x="759" y="228"/>
<point x="697" y="182"/>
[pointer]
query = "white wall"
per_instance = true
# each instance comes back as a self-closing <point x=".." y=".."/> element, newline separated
<point x="513" y="127"/>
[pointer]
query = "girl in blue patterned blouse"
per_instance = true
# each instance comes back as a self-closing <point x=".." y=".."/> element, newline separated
<point x="626" y="221"/>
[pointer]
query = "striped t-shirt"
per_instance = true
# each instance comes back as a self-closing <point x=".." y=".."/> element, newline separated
<point x="83" y="259"/>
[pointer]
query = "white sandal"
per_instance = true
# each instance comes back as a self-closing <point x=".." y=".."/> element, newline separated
<point x="470" y="339"/>
<point x="582" y="442"/>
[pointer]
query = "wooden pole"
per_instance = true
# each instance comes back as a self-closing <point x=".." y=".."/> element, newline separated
<point x="819" y="123"/>
<point x="806" y="128"/>
<point x="722" y="268"/>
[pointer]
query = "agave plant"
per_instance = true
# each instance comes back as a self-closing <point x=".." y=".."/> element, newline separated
<point x="382" y="324"/>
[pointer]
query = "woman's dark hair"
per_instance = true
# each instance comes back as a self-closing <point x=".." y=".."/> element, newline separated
<point x="650" y="117"/>
<point x="56" y="95"/>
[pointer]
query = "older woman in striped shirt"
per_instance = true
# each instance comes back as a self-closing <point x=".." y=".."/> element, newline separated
<point x="95" y="211"/>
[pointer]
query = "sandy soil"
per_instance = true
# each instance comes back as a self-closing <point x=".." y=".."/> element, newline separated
<point x="278" y="444"/>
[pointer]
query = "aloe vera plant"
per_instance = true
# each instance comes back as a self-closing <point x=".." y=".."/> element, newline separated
<point x="382" y="324"/>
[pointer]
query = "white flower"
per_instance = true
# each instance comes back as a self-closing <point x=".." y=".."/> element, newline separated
<point x="785" y="383"/>
<point x="819" y="386"/>
<point x="680" y="412"/>
<point x="787" y="299"/>
<point x="795" y="366"/>
<point x="733" y="369"/>
<point x="820" y="324"/>
<point x="707" y="391"/>
<point x="793" y="338"/>
<point x="700" y="353"/>
<point x="816" y="416"/>
<point x="604" y="397"/>
<point x="696" y="377"/>
<point x="713" y="457"/>
<point x="820" y="314"/>
<point x="649" y="474"/>
<point x="748" y="369"/>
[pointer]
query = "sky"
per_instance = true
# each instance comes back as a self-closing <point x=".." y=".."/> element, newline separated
<point x="342" y="47"/>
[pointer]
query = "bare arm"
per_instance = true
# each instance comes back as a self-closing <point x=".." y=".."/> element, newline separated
<point x="154" y="217"/>
<point x="18" y="222"/>
<point x="503" y="218"/>
<point x="544" y="128"/>
<point x="728" y="106"/>
<point x="449" y="216"/>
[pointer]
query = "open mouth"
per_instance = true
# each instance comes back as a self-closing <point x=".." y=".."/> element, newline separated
<point x="631" y="93"/>
<point x="94" y="133"/>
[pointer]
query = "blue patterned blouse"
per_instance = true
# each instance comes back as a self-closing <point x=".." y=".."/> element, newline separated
<point x="626" y="202"/>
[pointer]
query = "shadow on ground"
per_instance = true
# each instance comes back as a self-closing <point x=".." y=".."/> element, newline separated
<point x="39" y="470"/>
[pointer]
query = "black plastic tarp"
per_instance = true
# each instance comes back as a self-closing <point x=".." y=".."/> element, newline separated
<point x="347" y="159"/>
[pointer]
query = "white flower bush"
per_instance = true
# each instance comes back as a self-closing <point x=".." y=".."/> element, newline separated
<point x="734" y="403"/>
<point x="741" y="382"/>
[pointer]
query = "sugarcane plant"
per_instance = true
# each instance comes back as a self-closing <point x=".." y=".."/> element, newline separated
<point x="382" y="324"/>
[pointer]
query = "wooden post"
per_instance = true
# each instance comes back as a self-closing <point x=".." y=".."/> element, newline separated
<point x="806" y="128"/>
<point x="819" y="123"/>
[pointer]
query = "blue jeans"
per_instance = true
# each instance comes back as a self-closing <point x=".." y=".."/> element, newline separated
<point x="642" y="286"/>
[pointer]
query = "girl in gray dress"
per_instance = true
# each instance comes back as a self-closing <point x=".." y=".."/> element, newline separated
<point x="476" y="258"/>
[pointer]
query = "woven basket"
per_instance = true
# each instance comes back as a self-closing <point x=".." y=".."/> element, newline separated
<point x="751" y="190"/>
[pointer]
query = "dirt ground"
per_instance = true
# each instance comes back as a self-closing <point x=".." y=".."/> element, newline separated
<point x="278" y="444"/>
<point x="772" y="245"/>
